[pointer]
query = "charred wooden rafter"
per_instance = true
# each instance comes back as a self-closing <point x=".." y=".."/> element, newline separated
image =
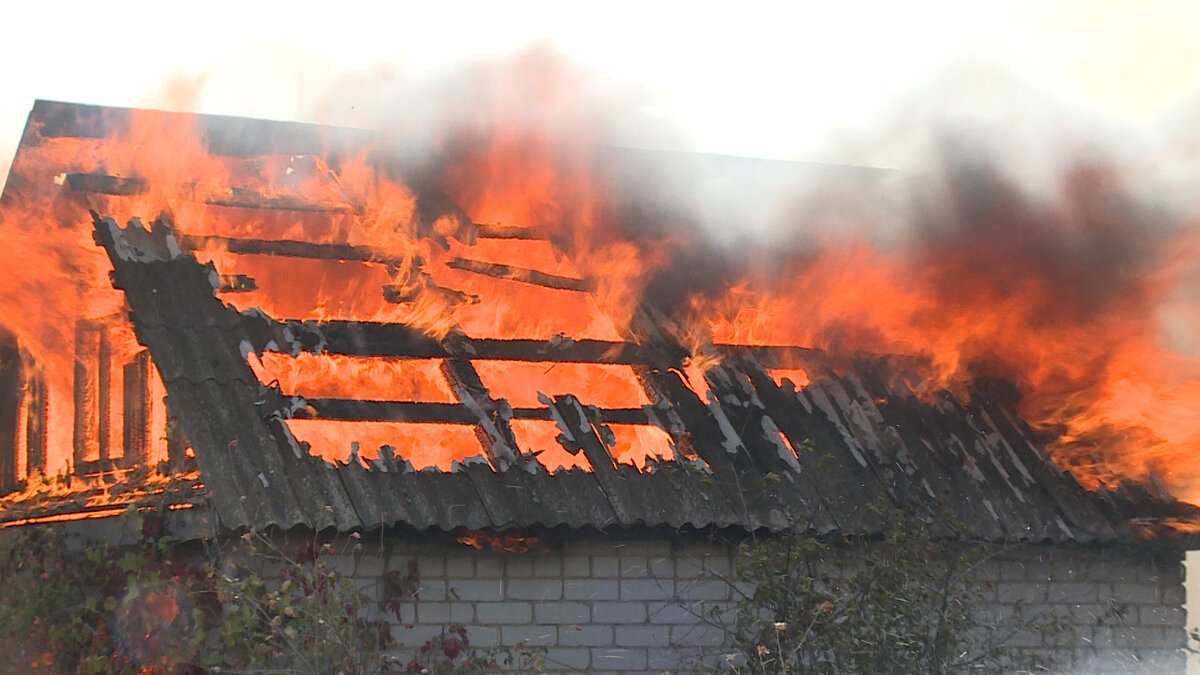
<point x="393" y="293"/>
<point x="87" y="353"/>
<point x="137" y="426"/>
<point x="289" y="249"/>
<point x="37" y="412"/>
<point x="213" y="195"/>
<point x="364" y="338"/>
<point x="776" y="356"/>
<point x="528" y="276"/>
<point x="399" y="294"/>
<point x="11" y="377"/>
<point x="438" y="413"/>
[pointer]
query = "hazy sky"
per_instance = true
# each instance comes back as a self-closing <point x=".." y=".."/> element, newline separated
<point x="765" y="79"/>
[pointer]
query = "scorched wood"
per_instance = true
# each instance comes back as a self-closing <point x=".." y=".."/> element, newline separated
<point x="37" y="414"/>
<point x="213" y="195"/>
<point x="441" y="413"/>
<point x="521" y="274"/>
<point x="366" y="338"/>
<point x="289" y="249"/>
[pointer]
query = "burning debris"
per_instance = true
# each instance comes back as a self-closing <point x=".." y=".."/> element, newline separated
<point x="497" y="322"/>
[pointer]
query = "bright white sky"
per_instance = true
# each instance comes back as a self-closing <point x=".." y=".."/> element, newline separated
<point x="761" y="79"/>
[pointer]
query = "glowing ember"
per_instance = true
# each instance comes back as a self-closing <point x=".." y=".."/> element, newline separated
<point x="501" y="542"/>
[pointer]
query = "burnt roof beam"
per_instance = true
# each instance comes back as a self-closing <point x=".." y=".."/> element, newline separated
<point x="291" y="249"/>
<point x="213" y="195"/>
<point x="372" y="339"/>
<point x="438" y="413"/>
<point x="523" y="275"/>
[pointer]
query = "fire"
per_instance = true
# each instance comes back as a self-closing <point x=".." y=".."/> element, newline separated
<point x="599" y="384"/>
<point x="337" y="376"/>
<point x="502" y="542"/>
<point x="422" y="444"/>
<point x="301" y="238"/>
<point x="515" y="234"/>
<point x="540" y="437"/>
<point x="1065" y="301"/>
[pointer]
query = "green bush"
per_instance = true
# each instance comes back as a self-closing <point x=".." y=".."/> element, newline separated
<point x="898" y="602"/>
<point x="170" y="608"/>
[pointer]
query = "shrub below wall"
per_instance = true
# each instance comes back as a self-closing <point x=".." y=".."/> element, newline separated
<point x="599" y="602"/>
<point x="654" y="603"/>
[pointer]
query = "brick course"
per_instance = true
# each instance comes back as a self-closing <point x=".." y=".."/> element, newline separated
<point x="639" y="605"/>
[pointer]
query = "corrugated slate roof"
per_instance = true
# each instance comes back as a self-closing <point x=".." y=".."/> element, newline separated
<point x="822" y="458"/>
<point x="766" y="455"/>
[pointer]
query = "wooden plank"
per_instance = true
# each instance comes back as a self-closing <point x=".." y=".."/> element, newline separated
<point x="367" y="338"/>
<point x="355" y="338"/>
<point x="136" y="386"/>
<point x="38" y="412"/>
<point x="11" y="377"/>
<point x="290" y="249"/>
<point x="438" y="413"/>
<point x="104" y="397"/>
<point x="776" y="356"/>
<point x="213" y="195"/>
<point x="222" y="135"/>
<point x="87" y="346"/>
<point x="521" y="274"/>
<point x="118" y="186"/>
<point x="398" y="294"/>
<point x="55" y="119"/>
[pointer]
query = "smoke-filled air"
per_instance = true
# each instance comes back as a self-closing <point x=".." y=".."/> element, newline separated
<point x="1010" y="241"/>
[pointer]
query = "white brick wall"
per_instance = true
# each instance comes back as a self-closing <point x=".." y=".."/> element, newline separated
<point x="635" y="605"/>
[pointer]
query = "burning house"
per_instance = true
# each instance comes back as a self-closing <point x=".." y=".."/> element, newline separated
<point x="274" y="326"/>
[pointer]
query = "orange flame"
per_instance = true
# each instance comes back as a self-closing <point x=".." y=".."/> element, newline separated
<point x="502" y="542"/>
<point x="1065" y="301"/>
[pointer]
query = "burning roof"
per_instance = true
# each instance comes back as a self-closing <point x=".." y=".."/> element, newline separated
<point x="341" y="344"/>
